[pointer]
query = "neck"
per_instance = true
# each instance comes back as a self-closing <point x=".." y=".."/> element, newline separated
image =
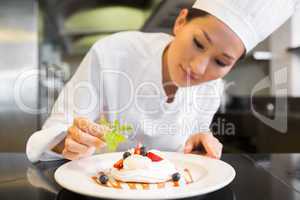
<point x="169" y="86"/>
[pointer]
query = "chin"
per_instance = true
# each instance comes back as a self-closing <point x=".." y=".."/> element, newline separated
<point x="180" y="80"/>
<point x="184" y="83"/>
<point x="180" y="83"/>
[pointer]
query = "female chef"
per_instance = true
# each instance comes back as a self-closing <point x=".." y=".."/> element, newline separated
<point x="167" y="86"/>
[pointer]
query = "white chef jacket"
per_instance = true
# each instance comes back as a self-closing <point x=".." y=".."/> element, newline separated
<point x="121" y="78"/>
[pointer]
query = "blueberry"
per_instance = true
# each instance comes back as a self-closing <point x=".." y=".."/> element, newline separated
<point x="143" y="151"/>
<point x="103" y="179"/>
<point x="126" y="154"/>
<point x="176" y="177"/>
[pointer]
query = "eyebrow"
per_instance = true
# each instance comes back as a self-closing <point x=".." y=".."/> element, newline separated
<point x="228" y="56"/>
<point x="210" y="41"/>
<point x="207" y="36"/>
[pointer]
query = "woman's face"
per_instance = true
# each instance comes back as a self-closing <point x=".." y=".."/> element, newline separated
<point x="203" y="49"/>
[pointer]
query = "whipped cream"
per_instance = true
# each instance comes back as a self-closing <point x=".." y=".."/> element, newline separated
<point x="141" y="169"/>
<point x="134" y="162"/>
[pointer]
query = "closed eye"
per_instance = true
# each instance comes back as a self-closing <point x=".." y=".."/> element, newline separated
<point x="220" y="63"/>
<point x="198" y="44"/>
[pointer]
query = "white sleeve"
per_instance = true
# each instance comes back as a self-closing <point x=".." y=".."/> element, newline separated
<point x="80" y="97"/>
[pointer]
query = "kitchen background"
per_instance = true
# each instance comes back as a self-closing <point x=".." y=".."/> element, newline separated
<point x="42" y="43"/>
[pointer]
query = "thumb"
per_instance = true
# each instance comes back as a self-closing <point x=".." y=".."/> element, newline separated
<point x="188" y="148"/>
<point x="89" y="152"/>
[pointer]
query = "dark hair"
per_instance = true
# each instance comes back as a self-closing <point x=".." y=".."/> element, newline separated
<point x="194" y="13"/>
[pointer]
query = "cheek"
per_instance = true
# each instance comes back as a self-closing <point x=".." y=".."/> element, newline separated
<point x="214" y="72"/>
<point x="174" y="56"/>
<point x="183" y="47"/>
<point x="217" y="72"/>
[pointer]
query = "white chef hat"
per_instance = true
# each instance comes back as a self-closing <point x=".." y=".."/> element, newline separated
<point x="251" y="20"/>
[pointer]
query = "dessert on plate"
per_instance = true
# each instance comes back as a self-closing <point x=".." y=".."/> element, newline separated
<point x="139" y="167"/>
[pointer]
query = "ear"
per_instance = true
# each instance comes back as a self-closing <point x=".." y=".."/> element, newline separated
<point x="180" y="21"/>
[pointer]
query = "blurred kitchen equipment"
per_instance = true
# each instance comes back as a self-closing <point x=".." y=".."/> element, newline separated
<point x="18" y="73"/>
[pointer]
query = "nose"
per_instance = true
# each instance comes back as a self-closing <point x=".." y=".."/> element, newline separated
<point x="199" y="65"/>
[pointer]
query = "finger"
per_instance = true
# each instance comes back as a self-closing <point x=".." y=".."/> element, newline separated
<point x="75" y="156"/>
<point x="89" y="152"/>
<point x="73" y="146"/>
<point x="189" y="145"/>
<point x="213" y="148"/>
<point x="219" y="150"/>
<point x="84" y="138"/>
<point x="195" y="141"/>
<point x="198" y="152"/>
<point x="90" y="127"/>
<point x="70" y="155"/>
<point x="209" y="148"/>
<point x="218" y="147"/>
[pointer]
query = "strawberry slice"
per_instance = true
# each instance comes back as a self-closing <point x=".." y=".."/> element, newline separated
<point x="154" y="157"/>
<point x="137" y="149"/>
<point x="119" y="164"/>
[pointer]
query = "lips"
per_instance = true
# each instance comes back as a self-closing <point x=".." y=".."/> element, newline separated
<point x="189" y="74"/>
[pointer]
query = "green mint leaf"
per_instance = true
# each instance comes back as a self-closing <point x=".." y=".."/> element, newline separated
<point x="125" y="128"/>
<point x="113" y="139"/>
<point x="129" y="128"/>
<point x="116" y="124"/>
<point x="103" y="121"/>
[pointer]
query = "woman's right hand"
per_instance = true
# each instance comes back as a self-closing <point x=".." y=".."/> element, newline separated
<point x="83" y="138"/>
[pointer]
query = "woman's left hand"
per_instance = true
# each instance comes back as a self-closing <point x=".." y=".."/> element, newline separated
<point x="204" y="143"/>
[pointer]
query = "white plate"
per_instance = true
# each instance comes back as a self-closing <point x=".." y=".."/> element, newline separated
<point x="208" y="175"/>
